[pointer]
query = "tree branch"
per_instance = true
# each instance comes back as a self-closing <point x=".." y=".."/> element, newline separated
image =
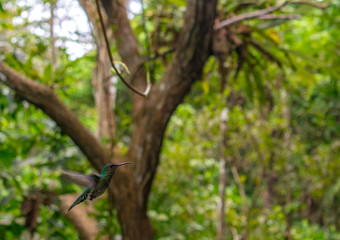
<point x="103" y="82"/>
<point x="44" y="98"/>
<point x="250" y="15"/>
<point x="281" y="16"/>
<point x="266" y="11"/>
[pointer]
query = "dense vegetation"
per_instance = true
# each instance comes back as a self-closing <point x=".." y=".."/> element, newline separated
<point x="282" y="144"/>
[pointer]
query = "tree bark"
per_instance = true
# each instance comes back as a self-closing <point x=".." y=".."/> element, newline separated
<point x="127" y="46"/>
<point x="52" y="37"/>
<point x="103" y="81"/>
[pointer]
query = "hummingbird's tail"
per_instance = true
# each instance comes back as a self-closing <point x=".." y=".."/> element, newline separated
<point x="72" y="206"/>
<point x="80" y="199"/>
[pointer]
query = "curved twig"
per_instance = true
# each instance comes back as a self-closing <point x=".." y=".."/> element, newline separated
<point x="148" y="87"/>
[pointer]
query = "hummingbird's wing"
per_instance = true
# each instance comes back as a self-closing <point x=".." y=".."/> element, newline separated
<point x="81" y="179"/>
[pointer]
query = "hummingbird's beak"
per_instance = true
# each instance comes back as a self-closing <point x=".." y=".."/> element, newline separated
<point x="123" y="163"/>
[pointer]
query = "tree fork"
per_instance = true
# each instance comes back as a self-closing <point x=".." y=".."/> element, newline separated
<point x="153" y="113"/>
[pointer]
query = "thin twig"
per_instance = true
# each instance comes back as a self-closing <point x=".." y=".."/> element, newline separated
<point x="281" y="16"/>
<point x="148" y="87"/>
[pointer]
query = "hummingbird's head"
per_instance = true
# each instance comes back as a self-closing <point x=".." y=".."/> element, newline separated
<point x="111" y="168"/>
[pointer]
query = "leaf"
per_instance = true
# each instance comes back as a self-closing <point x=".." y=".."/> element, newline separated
<point x="122" y="64"/>
<point x="6" y="199"/>
<point x="273" y="35"/>
<point x="259" y="85"/>
<point x="308" y="58"/>
<point x="205" y="87"/>
<point x="248" y="85"/>
<point x="178" y="2"/>
<point x="6" y="157"/>
<point x="47" y="74"/>
<point x="271" y="23"/>
<point x="305" y="76"/>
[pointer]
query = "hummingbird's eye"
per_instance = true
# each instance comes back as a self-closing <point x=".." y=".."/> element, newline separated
<point x="111" y="166"/>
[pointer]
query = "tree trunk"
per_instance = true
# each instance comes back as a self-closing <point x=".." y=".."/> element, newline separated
<point x="152" y="114"/>
<point x="105" y="93"/>
<point x="102" y="80"/>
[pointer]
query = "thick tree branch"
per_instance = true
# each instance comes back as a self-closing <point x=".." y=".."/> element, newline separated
<point x="44" y="98"/>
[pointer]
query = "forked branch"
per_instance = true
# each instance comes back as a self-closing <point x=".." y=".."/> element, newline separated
<point x="148" y="87"/>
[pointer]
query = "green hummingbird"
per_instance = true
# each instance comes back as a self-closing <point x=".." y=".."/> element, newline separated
<point x="96" y="185"/>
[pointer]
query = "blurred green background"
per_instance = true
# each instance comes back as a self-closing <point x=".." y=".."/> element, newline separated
<point x="283" y="138"/>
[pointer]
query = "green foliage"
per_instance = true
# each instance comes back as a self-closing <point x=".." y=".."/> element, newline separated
<point x="283" y="138"/>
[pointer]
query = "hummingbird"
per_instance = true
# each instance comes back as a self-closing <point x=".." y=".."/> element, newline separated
<point x="95" y="185"/>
